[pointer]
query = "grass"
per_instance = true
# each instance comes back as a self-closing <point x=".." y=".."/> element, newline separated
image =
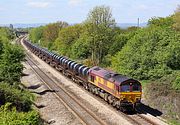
<point x="144" y="82"/>
<point x="174" y="122"/>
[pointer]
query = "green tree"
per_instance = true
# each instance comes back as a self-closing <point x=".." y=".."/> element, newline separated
<point x="5" y="34"/>
<point x="10" y="63"/>
<point x="101" y="15"/>
<point x="66" y="38"/>
<point x="50" y="33"/>
<point x="36" y="34"/>
<point x="100" y="24"/>
<point x="1" y="48"/>
<point x="119" y="41"/>
<point x="176" y="19"/>
<point x="176" y="82"/>
<point x="162" y="22"/>
<point x="80" y="49"/>
<point x="150" y="54"/>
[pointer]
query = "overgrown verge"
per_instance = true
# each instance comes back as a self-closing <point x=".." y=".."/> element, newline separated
<point x="15" y="102"/>
<point x="19" y="98"/>
<point x="16" y="106"/>
<point x="160" y="95"/>
<point x="10" y="116"/>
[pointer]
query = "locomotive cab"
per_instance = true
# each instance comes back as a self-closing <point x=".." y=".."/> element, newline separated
<point x="130" y="92"/>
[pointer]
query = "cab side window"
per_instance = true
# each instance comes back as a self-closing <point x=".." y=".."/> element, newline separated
<point x="92" y="79"/>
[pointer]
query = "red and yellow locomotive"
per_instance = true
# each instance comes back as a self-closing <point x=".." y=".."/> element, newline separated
<point x="119" y="90"/>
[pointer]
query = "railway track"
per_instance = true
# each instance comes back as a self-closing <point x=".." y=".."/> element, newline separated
<point x="141" y="120"/>
<point x="86" y="116"/>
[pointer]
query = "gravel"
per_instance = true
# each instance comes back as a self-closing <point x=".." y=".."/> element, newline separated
<point x="50" y="109"/>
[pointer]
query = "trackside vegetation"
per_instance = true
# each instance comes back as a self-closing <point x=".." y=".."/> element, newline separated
<point x="15" y="102"/>
<point x="150" y="54"/>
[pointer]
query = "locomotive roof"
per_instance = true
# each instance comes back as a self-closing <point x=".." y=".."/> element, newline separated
<point x="110" y="75"/>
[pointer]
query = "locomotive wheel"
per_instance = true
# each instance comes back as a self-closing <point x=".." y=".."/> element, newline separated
<point x="106" y="97"/>
<point x="85" y="86"/>
<point x="114" y="103"/>
<point x="117" y="106"/>
<point x="122" y="109"/>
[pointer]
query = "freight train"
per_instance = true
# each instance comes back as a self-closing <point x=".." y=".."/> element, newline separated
<point x="118" y="90"/>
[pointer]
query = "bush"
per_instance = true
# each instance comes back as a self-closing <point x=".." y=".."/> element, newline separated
<point x="161" y="22"/>
<point x="119" y="41"/>
<point x="36" y="34"/>
<point x="9" y="116"/>
<point x="21" y="99"/>
<point x="10" y="63"/>
<point x="176" y="82"/>
<point x="80" y="49"/>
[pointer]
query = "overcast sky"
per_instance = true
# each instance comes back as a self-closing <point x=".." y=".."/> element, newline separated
<point x="75" y="11"/>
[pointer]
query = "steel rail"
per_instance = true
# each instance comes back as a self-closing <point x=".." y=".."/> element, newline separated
<point x="85" y="115"/>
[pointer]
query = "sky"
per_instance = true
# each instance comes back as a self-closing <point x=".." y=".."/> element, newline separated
<point x="76" y="11"/>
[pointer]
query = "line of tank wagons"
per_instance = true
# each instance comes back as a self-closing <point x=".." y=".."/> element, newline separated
<point x="99" y="81"/>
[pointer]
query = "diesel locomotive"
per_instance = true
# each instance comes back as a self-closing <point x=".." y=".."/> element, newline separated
<point x="118" y="90"/>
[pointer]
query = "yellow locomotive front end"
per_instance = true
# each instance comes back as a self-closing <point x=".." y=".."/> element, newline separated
<point x="130" y="93"/>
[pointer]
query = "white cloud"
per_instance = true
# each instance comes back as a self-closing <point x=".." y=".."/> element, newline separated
<point x="75" y="2"/>
<point x="38" y="4"/>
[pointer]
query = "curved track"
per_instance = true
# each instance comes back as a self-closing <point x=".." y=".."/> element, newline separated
<point x="85" y="115"/>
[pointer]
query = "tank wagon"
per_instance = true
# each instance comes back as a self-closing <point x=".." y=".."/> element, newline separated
<point x="118" y="90"/>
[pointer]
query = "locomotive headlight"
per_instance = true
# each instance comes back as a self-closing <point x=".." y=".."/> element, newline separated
<point x="138" y="96"/>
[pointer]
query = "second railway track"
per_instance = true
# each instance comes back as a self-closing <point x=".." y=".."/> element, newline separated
<point x="141" y="120"/>
<point x="85" y="115"/>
